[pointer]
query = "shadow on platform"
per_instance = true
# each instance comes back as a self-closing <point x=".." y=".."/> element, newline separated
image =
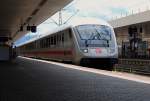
<point x="7" y="64"/>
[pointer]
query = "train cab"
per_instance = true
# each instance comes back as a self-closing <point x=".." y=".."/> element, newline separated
<point x="96" y="42"/>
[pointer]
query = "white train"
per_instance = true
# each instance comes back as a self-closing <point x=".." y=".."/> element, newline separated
<point x="84" y="41"/>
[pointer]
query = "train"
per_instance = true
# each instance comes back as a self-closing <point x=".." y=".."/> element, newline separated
<point x="80" y="42"/>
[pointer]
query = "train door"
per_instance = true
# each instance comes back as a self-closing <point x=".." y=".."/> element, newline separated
<point x="68" y="44"/>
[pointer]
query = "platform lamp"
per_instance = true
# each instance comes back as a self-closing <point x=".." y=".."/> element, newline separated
<point x="33" y="29"/>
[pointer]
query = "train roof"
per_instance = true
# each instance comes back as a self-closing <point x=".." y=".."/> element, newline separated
<point x="72" y="23"/>
<point x="82" y="21"/>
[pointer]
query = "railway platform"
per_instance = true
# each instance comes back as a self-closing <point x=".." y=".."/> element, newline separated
<point x="37" y="80"/>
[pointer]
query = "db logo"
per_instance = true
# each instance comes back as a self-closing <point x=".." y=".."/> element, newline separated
<point x="98" y="50"/>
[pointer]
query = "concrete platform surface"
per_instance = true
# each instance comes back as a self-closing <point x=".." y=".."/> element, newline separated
<point x="32" y="80"/>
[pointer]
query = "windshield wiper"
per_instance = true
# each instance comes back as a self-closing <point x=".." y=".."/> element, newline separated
<point x="86" y="40"/>
<point x="99" y="34"/>
<point x="106" y="41"/>
<point x="86" y="43"/>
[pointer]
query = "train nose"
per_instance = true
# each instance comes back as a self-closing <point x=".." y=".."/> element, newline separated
<point x="98" y="52"/>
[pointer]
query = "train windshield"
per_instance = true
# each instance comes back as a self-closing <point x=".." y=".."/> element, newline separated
<point x="95" y="34"/>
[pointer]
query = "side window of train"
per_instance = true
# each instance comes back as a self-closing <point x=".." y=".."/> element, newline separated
<point x="62" y="38"/>
<point x="70" y="33"/>
<point x="42" y="44"/>
<point x="59" y="38"/>
<point x="51" y="40"/>
<point x="69" y="37"/>
<point x="55" y="40"/>
<point x="47" y="43"/>
<point x="40" y="41"/>
<point x="34" y="45"/>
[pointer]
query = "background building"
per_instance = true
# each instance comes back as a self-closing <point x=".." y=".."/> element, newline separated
<point x="140" y="21"/>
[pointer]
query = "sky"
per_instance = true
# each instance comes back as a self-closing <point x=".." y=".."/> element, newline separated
<point x="98" y="9"/>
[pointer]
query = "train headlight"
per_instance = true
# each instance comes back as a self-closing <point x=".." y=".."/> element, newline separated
<point x="85" y="50"/>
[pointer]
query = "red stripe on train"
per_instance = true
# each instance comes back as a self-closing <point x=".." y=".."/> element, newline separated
<point x="68" y="52"/>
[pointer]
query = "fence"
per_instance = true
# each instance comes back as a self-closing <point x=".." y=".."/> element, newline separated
<point x="137" y="66"/>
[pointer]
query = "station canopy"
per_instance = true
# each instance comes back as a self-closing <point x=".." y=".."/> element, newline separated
<point x="21" y="13"/>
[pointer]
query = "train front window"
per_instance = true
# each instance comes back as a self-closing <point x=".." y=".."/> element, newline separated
<point x="97" y="35"/>
<point x="94" y="32"/>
